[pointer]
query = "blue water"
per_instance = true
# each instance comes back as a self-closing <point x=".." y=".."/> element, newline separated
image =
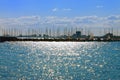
<point x="60" y="61"/>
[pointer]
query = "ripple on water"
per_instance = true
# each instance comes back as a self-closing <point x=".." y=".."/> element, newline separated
<point x="59" y="60"/>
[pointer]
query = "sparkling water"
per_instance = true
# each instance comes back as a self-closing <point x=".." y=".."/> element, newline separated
<point x="60" y="61"/>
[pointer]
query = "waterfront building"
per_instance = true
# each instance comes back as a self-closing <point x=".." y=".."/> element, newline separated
<point x="108" y="36"/>
<point x="78" y="34"/>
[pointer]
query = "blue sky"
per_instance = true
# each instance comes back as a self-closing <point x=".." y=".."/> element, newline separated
<point x="69" y="8"/>
<point x="90" y="14"/>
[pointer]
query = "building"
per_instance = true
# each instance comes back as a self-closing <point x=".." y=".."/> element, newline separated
<point x="78" y="34"/>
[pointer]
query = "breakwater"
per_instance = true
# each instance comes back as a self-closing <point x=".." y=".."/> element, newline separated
<point x="3" y="39"/>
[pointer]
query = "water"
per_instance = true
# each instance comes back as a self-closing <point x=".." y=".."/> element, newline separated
<point x="60" y="61"/>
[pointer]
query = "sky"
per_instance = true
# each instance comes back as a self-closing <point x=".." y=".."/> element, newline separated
<point x="74" y="13"/>
<point x="69" y="8"/>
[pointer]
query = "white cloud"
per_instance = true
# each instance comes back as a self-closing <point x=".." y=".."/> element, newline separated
<point x="90" y="22"/>
<point x="58" y="9"/>
<point x="55" y="9"/>
<point x="67" y="9"/>
<point x="29" y="20"/>
<point x="99" y="6"/>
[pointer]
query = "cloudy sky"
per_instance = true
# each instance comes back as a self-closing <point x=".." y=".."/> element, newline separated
<point x="90" y="14"/>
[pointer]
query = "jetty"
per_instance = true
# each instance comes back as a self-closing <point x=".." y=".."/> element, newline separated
<point x="106" y="38"/>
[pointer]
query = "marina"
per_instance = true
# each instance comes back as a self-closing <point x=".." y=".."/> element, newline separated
<point x="59" y="39"/>
<point x="75" y="35"/>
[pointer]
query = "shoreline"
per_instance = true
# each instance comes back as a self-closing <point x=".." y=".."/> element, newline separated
<point x="15" y="39"/>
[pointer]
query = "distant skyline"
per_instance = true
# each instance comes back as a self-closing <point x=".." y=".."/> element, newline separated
<point x="91" y="14"/>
